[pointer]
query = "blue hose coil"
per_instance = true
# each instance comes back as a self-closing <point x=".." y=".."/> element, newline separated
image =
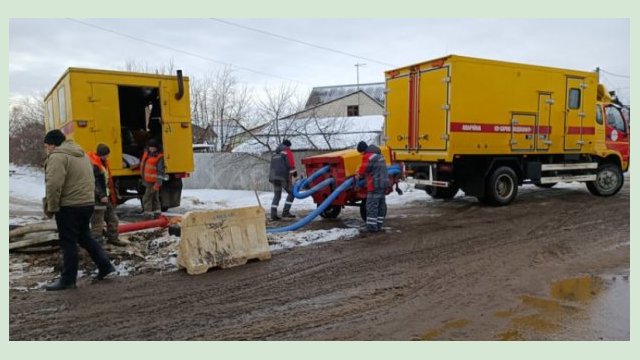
<point x="307" y="219"/>
<point x="392" y="170"/>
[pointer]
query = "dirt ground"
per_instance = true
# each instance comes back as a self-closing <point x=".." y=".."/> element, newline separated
<point x="454" y="270"/>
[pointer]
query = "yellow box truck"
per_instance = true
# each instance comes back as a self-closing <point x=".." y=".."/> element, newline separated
<point x="124" y="110"/>
<point x="487" y="127"/>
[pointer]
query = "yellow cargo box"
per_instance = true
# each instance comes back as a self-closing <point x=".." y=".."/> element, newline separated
<point x="462" y="105"/>
<point x="460" y="123"/>
<point x="124" y="110"/>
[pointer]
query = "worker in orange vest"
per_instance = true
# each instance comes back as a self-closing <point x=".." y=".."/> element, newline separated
<point x="152" y="171"/>
<point x="105" y="198"/>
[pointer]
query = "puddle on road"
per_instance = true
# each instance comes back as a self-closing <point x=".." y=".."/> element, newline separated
<point x="576" y="289"/>
<point x="450" y="325"/>
<point x="581" y="308"/>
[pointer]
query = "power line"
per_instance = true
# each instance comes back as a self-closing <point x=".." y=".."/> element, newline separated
<point x="612" y="74"/>
<point x="183" y="51"/>
<point x="301" y="42"/>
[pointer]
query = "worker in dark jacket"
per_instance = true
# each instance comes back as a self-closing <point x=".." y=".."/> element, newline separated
<point x="152" y="171"/>
<point x="70" y="198"/>
<point x="105" y="197"/>
<point x="282" y="172"/>
<point x="374" y="169"/>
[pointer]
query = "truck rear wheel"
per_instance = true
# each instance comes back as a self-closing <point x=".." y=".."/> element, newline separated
<point x="442" y="193"/>
<point x="609" y="180"/>
<point x="501" y="187"/>
<point x="331" y="212"/>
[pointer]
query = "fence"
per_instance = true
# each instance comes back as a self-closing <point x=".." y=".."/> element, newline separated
<point x="236" y="171"/>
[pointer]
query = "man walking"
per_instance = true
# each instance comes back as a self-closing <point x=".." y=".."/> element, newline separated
<point x="105" y="197"/>
<point x="70" y="198"/>
<point x="282" y="171"/>
<point x="152" y="171"/>
<point x="374" y="169"/>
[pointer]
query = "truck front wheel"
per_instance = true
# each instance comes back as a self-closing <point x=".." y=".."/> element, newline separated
<point x="609" y="180"/>
<point x="442" y="193"/>
<point x="501" y="187"/>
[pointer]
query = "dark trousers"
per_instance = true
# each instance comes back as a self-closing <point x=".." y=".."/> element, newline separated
<point x="104" y="213"/>
<point x="150" y="199"/>
<point x="73" y="230"/>
<point x="278" y="185"/>
<point x="376" y="209"/>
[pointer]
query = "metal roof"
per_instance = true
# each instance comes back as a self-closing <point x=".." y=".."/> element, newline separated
<point x="323" y="94"/>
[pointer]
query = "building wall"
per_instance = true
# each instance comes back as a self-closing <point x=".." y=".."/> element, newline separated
<point x="339" y="107"/>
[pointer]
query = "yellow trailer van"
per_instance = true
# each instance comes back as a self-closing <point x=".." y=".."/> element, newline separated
<point x="124" y="110"/>
<point x="487" y="126"/>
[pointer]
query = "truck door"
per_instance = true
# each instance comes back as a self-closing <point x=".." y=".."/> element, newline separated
<point x="522" y="131"/>
<point x="433" y="109"/>
<point x="617" y="132"/>
<point x="543" y="123"/>
<point x="397" y="112"/>
<point x="176" y="131"/>
<point x="574" y="113"/>
<point x="106" y="121"/>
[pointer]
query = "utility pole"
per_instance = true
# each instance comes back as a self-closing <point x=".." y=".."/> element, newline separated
<point x="358" y="65"/>
<point x="358" y="73"/>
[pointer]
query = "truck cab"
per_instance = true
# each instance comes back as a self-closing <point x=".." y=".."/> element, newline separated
<point x="617" y="130"/>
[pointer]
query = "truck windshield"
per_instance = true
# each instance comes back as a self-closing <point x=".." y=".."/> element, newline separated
<point x="615" y="119"/>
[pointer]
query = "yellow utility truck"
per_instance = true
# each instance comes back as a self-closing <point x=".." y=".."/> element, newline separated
<point x="124" y="110"/>
<point x="487" y="127"/>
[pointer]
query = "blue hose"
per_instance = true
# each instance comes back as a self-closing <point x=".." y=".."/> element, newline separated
<point x="319" y="186"/>
<point x="312" y="215"/>
<point x="391" y="170"/>
<point x="303" y="183"/>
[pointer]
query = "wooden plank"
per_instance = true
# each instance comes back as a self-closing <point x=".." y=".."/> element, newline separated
<point x="36" y="241"/>
<point x="29" y="228"/>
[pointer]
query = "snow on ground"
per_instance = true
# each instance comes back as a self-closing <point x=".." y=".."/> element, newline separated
<point x="26" y="189"/>
<point x="155" y="250"/>
<point x="26" y="183"/>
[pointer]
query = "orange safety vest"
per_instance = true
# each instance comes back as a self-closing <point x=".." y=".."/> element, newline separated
<point x="149" y="169"/>
<point x="106" y="170"/>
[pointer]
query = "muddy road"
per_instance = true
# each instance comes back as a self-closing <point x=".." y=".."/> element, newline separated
<point x="550" y="266"/>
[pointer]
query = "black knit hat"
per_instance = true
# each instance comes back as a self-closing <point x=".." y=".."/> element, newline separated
<point x="54" y="137"/>
<point x="286" y="142"/>
<point x="103" y="150"/>
<point x="153" y="142"/>
<point x="362" y="146"/>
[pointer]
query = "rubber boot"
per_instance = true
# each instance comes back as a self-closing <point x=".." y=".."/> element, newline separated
<point x="286" y="213"/>
<point x="274" y="214"/>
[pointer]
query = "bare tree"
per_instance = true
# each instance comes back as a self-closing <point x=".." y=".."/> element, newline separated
<point x="26" y="130"/>
<point x="221" y="103"/>
<point x="272" y="107"/>
<point x="144" y="67"/>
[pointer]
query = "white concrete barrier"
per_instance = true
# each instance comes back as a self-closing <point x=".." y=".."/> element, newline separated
<point x="222" y="238"/>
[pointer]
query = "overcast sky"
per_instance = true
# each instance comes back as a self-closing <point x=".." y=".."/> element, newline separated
<point x="41" y="49"/>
